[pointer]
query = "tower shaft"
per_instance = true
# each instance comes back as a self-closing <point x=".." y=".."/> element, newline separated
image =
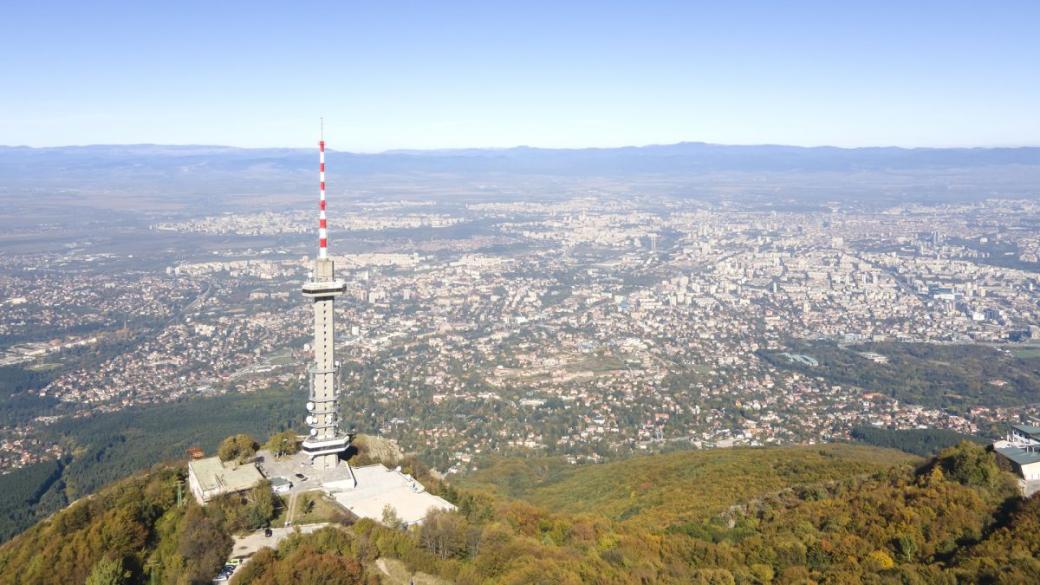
<point x="325" y="440"/>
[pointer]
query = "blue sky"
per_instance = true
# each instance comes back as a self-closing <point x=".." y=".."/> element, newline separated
<point x="440" y="74"/>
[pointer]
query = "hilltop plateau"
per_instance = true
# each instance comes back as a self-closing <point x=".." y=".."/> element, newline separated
<point x="823" y="514"/>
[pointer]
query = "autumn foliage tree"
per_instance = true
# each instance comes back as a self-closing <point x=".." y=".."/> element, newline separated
<point x="323" y="558"/>
<point x="444" y="533"/>
<point x="240" y="448"/>
<point x="955" y="519"/>
<point x="282" y="444"/>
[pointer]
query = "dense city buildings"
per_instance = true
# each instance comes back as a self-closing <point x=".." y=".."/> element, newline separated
<point x="585" y="326"/>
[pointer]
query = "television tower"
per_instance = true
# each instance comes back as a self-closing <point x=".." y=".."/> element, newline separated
<point x="325" y="441"/>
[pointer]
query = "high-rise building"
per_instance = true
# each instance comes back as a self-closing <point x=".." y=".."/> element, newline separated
<point x="325" y="440"/>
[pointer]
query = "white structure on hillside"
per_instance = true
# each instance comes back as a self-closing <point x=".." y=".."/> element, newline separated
<point x="1021" y="448"/>
<point x="377" y="487"/>
<point x="211" y="477"/>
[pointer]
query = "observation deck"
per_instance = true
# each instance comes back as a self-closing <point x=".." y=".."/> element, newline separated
<point x="315" y="447"/>
<point x="323" y="288"/>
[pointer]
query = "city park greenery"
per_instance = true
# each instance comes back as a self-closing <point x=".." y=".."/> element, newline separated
<point x="824" y="514"/>
<point x="955" y="377"/>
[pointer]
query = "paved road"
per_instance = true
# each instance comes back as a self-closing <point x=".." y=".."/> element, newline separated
<point x="246" y="545"/>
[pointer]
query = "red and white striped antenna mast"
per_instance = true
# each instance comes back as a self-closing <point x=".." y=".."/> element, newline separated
<point x="323" y="232"/>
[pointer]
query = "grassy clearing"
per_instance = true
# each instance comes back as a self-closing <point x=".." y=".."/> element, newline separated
<point x="596" y="363"/>
<point x="395" y="572"/>
<point x="1028" y="352"/>
<point x="282" y="358"/>
<point x="315" y="507"/>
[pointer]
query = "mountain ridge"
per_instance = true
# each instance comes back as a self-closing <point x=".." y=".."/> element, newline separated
<point x="687" y="144"/>
<point x="957" y="518"/>
<point x="207" y="177"/>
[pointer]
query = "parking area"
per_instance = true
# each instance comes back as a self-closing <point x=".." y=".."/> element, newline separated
<point x="297" y="469"/>
<point x="245" y="546"/>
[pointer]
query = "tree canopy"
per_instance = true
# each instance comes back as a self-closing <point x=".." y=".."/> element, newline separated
<point x="283" y="443"/>
<point x="239" y="448"/>
<point x="956" y="518"/>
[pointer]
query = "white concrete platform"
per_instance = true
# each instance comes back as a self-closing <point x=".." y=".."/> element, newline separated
<point x="377" y="487"/>
<point x="292" y="467"/>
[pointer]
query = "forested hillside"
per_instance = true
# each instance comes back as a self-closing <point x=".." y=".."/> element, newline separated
<point x="680" y="485"/>
<point x="924" y="442"/>
<point x="119" y="535"/>
<point x="952" y="519"/>
<point x="108" y="447"/>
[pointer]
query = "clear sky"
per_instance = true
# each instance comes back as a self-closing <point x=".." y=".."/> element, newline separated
<point x="492" y="73"/>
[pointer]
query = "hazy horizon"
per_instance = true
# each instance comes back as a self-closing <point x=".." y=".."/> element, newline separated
<point x="394" y="150"/>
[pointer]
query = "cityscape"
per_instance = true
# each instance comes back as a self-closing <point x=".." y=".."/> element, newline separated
<point x="588" y="327"/>
<point x="520" y="293"/>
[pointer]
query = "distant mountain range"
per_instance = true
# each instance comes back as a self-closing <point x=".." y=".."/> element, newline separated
<point x="794" y="170"/>
<point x="685" y="157"/>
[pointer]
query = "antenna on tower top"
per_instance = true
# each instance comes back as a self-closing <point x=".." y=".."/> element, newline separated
<point x="323" y="234"/>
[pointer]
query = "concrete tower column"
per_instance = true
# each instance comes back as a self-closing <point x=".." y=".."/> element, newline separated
<point x="325" y="440"/>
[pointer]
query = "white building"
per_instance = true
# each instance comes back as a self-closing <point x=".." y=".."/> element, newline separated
<point x="377" y="487"/>
<point x="211" y="477"/>
<point x="1021" y="448"/>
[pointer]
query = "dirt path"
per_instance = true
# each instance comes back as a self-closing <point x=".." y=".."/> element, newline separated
<point x="398" y="574"/>
<point x="292" y="508"/>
